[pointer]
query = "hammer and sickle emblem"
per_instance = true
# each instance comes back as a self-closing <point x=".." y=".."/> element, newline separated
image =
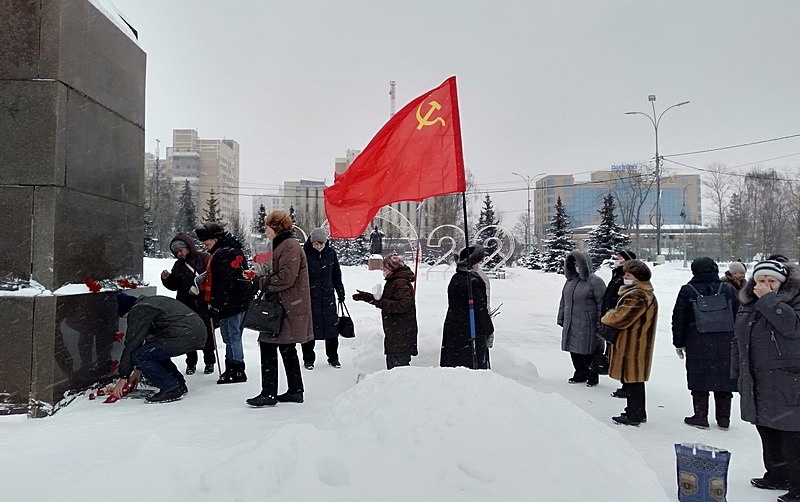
<point x="423" y="121"/>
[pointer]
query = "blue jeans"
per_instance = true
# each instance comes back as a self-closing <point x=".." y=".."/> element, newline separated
<point x="231" y="329"/>
<point x="156" y="365"/>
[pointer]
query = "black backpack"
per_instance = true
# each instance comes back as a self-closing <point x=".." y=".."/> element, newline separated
<point x="712" y="313"/>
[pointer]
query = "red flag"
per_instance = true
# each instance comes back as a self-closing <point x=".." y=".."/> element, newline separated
<point x="416" y="155"/>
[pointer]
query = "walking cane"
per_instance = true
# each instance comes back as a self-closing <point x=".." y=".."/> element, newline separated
<point x="214" y="338"/>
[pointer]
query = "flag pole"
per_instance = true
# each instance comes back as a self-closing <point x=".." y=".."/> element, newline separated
<point x="469" y="286"/>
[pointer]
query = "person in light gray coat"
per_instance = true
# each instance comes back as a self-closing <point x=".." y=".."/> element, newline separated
<point x="578" y="314"/>
<point x="766" y="360"/>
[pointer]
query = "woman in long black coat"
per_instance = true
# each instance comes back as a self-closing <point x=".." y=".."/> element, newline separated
<point x="708" y="355"/>
<point x="456" y="337"/>
<point x="325" y="278"/>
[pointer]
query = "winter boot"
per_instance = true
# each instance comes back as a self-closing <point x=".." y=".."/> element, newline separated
<point x="237" y="373"/>
<point x="165" y="396"/>
<point x="190" y="370"/>
<point x="225" y="376"/>
<point x="290" y="397"/>
<point x="579" y="377"/>
<point x="722" y="405"/>
<point x="262" y="400"/>
<point x="700" y="417"/>
<point x="209" y="369"/>
<point x="593" y="379"/>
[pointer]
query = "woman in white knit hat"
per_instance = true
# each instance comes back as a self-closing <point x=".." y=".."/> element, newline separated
<point x="767" y="357"/>
<point x="735" y="275"/>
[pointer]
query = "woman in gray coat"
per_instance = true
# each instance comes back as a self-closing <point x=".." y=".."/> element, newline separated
<point x="289" y="278"/>
<point x="766" y="356"/>
<point x="578" y="315"/>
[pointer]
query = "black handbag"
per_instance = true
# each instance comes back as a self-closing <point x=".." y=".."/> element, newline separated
<point x="265" y="314"/>
<point x="600" y="361"/>
<point x="607" y="333"/>
<point x="345" y="325"/>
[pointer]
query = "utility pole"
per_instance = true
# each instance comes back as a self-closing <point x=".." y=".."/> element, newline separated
<point x="528" y="180"/>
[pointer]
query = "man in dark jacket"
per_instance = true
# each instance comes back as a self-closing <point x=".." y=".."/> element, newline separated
<point x="325" y="279"/>
<point x="189" y="264"/>
<point x="159" y="328"/>
<point x="228" y="293"/>
<point x="611" y="297"/>
<point x="708" y="366"/>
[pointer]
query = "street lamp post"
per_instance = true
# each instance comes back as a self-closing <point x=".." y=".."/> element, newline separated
<point x="656" y="122"/>
<point x="528" y="180"/>
<point x="683" y="215"/>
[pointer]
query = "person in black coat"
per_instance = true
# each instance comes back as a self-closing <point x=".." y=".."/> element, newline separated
<point x="611" y="297"/>
<point x="228" y="293"/>
<point x="456" y="335"/>
<point x="708" y="355"/>
<point x="189" y="264"/>
<point x="325" y="279"/>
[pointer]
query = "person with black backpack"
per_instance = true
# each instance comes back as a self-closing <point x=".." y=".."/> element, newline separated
<point x="702" y="332"/>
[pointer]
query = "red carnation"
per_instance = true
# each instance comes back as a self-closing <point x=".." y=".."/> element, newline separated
<point x="119" y="336"/>
<point x="93" y="286"/>
<point x="114" y="365"/>
<point x="237" y="262"/>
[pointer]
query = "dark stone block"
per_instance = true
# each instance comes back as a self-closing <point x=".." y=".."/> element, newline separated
<point x="81" y="47"/>
<point x="33" y="117"/>
<point x="19" y="38"/>
<point x="105" y="153"/>
<point x="80" y="236"/>
<point x="16" y="204"/>
<point x="16" y="317"/>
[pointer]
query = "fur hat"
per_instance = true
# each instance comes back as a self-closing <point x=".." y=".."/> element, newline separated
<point x="278" y="221"/>
<point x="737" y="267"/>
<point x="704" y="265"/>
<point x="476" y="254"/>
<point x="637" y="269"/>
<point x="209" y="230"/>
<point x="770" y="267"/>
<point x="318" y="235"/>
<point x="626" y="254"/>
<point x="392" y="262"/>
<point x="124" y="303"/>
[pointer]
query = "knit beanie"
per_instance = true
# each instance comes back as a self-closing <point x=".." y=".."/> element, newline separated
<point x="770" y="267"/>
<point x="637" y="269"/>
<point x="318" y="235"/>
<point x="392" y="262"/>
<point x="627" y="254"/>
<point x="124" y="303"/>
<point x="704" y="265"/>
<point x="737" y="267"/>
<point x="476" y="254"/>
<point x="177" y="244"/>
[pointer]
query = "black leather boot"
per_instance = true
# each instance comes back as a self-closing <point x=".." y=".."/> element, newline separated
<point x="700" y="417"/>
<point x="722" y="410"/>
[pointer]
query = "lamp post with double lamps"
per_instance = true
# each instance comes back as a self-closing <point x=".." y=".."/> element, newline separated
<point x="683" y="215"/>
<point x="656" y="120"/>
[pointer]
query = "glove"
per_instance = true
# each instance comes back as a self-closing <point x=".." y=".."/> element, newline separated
<point x="341" y="299"/>
<point x="490" y="341"/>
<point x="363" y="296"/>
<point x="213" y="313"/>
<point x="681" y="352"/>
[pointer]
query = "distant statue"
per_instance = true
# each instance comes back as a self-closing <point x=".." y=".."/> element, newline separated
<point x="376" y="241"/>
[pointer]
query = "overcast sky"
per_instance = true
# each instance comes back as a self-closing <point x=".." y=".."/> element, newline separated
<point x="543" y="85"/>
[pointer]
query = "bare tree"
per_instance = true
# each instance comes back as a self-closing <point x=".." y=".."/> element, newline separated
<point x="719" y="184"/>
<point x="631" y="191"/>
<point x="765" y="199"/>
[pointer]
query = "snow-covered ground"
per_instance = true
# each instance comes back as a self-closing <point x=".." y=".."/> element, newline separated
<point x="518" y="432"/>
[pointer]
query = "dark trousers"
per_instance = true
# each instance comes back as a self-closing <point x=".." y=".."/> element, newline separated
<point x="331" y="350"/>
<point x="781" y="450"/>
<point x="636" y="401"/>
<point x="269" y="367"/>
<point x="156" y="366"/>
<point x="581" y="364"/>
<point x="394" y="361"/>
<point x="208" y="350"/>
